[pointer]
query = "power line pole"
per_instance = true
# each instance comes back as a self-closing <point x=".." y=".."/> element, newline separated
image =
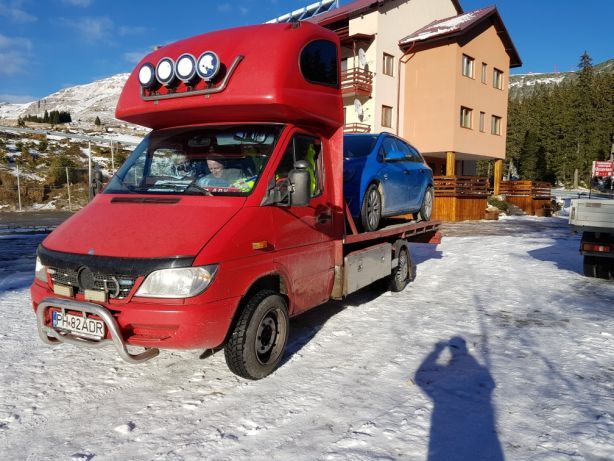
<point x="68" y="185"/>
<point x="18" y="188"/>
<point x="89" y="172"/>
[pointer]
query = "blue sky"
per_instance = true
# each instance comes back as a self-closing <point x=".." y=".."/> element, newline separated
<point x="47" y="45"/>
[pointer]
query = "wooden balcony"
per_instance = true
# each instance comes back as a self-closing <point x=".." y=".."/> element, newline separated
<point x="357" y="81"/>
<point x="460" y="198"/>
<point x="533" y="197"/>
<point x="357" y="128"/>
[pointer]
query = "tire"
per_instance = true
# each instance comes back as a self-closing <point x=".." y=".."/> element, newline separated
<point x="590" y="266"/>
<point x="603" y="268"/>
<point x="400" y="276"/>
<point x="258" y="340"/>
<point x="371" y="212"/>
<point x="426" y="210"/>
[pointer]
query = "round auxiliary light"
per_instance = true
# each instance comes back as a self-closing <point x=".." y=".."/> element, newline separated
<point x="185" y="68"/>
<point x="165" y="71"/>
<point x="208" y="65"/>
<point x="147" y="77"/>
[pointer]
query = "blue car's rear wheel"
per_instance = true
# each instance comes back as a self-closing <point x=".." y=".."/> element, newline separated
<point x="371" y="209"/>
<point x="426" y="210"/>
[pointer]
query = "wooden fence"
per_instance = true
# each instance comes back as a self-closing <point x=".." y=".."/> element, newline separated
<point x="460" y="198"/>
<point x="533" y="197"/>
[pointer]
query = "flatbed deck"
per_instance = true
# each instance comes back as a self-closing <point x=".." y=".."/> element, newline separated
<point x="404" y="230"/>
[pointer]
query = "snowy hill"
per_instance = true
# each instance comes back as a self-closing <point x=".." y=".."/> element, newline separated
<point x="84" y="102"/>
<point x="523" y="85"/>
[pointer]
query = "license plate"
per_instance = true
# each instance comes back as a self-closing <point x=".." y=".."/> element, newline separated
<point x="79" y="325"/>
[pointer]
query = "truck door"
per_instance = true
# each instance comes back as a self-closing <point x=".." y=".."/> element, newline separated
<point x="304" y="241"/>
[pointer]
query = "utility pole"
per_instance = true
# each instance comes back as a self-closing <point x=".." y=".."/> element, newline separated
<point x="18" y="188"/>
<point x="89" y="172"/>
<point x="112" y="160"/>
<point x="68" y="185"/>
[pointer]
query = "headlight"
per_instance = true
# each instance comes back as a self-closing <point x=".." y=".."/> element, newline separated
<point x="147" y="77"/>
<point x="40" y="271"/>
<point x="186" y="68"/>
<point x="165" y="71"/>
<point x="177" y="283"/>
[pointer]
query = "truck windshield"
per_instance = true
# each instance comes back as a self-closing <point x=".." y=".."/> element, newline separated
<point x="220" y="160"/>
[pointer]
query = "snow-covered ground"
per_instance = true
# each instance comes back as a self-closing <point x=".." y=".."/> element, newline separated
<point x="499" y="349"/>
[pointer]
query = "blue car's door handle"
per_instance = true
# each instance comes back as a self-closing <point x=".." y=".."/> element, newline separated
<point x="407" y="171"/>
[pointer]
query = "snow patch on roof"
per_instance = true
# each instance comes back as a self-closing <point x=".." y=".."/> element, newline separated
<point x="445" y="26"/>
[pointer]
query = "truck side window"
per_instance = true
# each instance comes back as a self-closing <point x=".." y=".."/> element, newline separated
<point x="303" y="147"/>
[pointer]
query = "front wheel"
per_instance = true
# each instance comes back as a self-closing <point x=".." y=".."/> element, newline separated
<point x="426" y="210"/>
<point x="258" y="340"/>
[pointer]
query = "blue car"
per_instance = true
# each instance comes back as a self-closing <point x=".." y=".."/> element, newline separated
<point x="383" y="176"/>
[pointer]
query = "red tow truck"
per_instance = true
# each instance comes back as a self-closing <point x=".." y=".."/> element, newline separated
<point x="229" y="218"/>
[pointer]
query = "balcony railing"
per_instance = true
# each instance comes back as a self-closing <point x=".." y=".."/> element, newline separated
<point x="461" y="186"/>
<point x="357" y="128"/>
<point x="357" y="81"/>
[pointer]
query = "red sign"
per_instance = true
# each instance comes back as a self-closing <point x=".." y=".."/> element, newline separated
<point x="603" y="169"/>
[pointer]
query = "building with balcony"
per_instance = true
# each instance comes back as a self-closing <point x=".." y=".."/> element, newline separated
<point x="433" y="74"/>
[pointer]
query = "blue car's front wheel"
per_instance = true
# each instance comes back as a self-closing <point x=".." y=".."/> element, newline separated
<point x="371" y="212"/>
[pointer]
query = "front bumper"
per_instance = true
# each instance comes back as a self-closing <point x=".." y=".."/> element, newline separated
<point x="153" y="325"/>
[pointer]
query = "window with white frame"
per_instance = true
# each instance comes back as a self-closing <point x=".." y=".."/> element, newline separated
<point x="497" y="79"/>
<point x="495" y="127"/>
<point x="388" y="64"/>
<point x="468" y="62"/>
<point x="466" y="114"/>
<point x="482" y="121"/>
<point x="484" y="73"/>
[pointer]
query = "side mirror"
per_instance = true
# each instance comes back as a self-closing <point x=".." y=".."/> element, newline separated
<point x="394" y="156"/>
<point x="300" y="182"/>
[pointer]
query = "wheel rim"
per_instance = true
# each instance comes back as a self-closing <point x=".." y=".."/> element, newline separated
<point x="428" y="203"/>
<point x="373" y="208"/>
<point x="402" y="272"/>
<point x="268" y="337"/>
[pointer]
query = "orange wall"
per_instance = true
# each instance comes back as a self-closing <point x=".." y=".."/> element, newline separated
<point x="435" y="89"/>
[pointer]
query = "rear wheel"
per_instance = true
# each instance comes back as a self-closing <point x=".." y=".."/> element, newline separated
<point x="590" y="266"/>
<point x="426" y="210"/>
<point x="257" y="343"/>
<point x="399" y="278"/>
<point x="371" y="209"/>
<point x="603" y="268"/>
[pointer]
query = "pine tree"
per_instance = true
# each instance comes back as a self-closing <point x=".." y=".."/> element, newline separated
<point x="97" y="122"/>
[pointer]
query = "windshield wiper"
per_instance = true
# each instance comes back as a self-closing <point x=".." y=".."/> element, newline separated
<point x="199" y="189"/>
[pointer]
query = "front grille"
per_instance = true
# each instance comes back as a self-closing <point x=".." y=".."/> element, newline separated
<point x="100" y="282"/>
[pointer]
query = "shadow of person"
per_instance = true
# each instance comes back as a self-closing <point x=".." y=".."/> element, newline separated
<point x="463" y="419"/>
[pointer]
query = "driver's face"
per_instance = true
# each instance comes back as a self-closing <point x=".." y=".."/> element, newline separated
<point x="215" y="167"/>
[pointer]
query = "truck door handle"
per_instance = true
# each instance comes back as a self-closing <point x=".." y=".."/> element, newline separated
<point x="324" y="218"/>
<point x="407" y="171"/>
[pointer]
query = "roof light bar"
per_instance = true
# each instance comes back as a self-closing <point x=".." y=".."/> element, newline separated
<point x="185" y="68"/>
<point x="147" y="75"/>
<point x="208" y="65"/>
<point x="165" y="72"/>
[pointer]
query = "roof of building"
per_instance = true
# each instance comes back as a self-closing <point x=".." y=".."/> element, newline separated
<point x="456" y="26"/>
<point x="356" y="7"/>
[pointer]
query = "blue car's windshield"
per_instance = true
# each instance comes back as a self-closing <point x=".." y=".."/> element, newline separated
<point x="212" y="160"/>
<point x="358" y="146"/>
